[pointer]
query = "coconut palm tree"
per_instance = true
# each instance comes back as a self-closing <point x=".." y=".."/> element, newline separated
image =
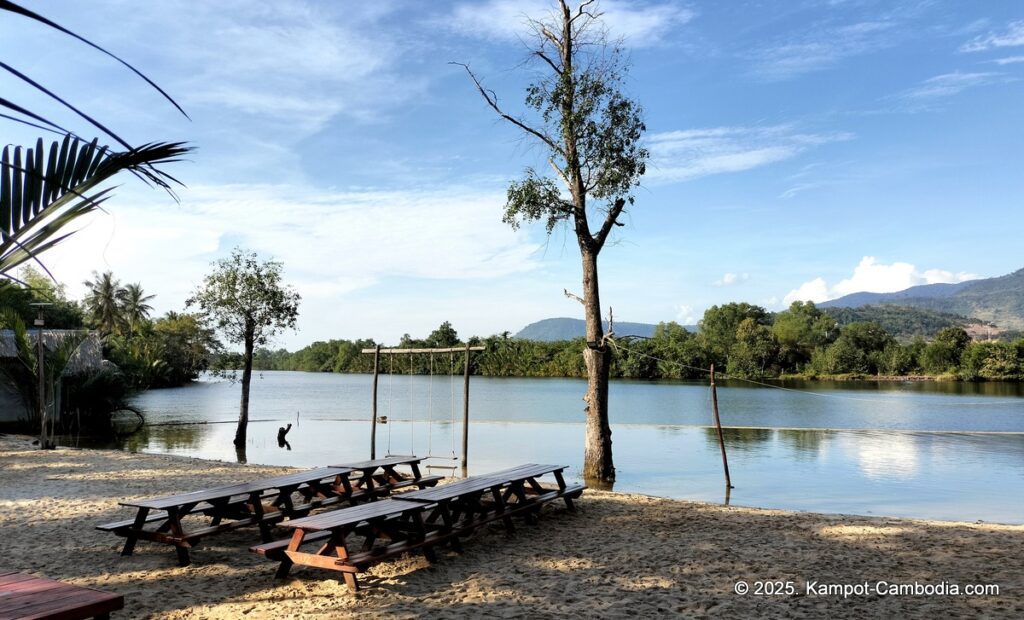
<point x="103" y="303"/>
<point x="134" y="306"/>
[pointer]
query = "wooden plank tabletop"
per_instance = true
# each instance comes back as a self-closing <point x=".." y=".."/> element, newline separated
<point x="244" y="488"/>
<point x="354" y="514"/>
<point x="455" y="489"/>
<point x="26" y="596"/>
<point x="528" y="470"/>
<point x="385" y="462"/>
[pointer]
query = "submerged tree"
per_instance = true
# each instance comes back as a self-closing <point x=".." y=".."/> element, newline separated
<point x="245" y="301"/>
<point x="591" y="131"/>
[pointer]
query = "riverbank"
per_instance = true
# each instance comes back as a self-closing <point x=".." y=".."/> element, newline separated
<point x="618" y="555"/>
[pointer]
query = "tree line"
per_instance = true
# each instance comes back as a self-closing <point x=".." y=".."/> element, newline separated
<point x="741" y="339"/>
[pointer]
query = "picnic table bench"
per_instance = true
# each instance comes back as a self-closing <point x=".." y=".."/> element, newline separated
<point x="25" y="596"/>
<point x="415" y="521"/>
<point x="264" y="503"/>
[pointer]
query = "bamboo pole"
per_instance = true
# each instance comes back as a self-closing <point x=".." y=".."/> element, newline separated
<point x="718" y="427"/>
<point x="465" y="410"/>
<point x="412" y="351"/>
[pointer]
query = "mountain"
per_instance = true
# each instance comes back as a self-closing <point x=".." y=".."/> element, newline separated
<point x="996" y="300"/>
<point x="550" y="330"/>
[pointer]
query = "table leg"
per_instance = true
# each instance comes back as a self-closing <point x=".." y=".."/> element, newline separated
<point x="499" y="503"/>
<point x="181" y="545"/>
<point x="286" y="562"/>
<point x="131" y="539"/>
<point x="561" y="488"/>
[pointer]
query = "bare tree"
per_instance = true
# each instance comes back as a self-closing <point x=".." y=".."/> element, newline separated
<point x="591" y="132"/>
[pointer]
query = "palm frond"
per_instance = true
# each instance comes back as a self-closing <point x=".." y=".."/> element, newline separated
<point x="6" y="5"/>
<point x="42" y="191"/>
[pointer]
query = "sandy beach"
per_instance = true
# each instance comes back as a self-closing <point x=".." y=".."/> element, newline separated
<point x="618" y="555"/>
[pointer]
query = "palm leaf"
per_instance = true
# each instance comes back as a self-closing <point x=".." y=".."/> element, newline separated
<point x="11" y="7"/>
<point x="42" y="192"/>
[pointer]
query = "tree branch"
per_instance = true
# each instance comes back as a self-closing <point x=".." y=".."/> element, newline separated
<point x="492" y="101"/>
<point x="572" y="296"/>
<point x="610" y="220"/>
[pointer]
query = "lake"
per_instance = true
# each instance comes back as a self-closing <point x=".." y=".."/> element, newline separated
<point x="921" y="449"/>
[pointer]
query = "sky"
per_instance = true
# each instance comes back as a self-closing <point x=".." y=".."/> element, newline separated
<point x="799" y="150"/>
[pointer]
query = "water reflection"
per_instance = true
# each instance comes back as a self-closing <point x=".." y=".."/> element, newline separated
<point x="886" y="456"/>
<point x="805" y="444"/>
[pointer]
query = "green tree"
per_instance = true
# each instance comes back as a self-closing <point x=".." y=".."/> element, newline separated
<point x="754" y="350"/>
<point x="444" y="336"/>
<point x="103" y="301"/>
<point x="134" y="306"/>
<point x="246" y="302"/>
<point x="719" y="325"/>
<point x="591" y="133"/>
<point x="799" y="330"/>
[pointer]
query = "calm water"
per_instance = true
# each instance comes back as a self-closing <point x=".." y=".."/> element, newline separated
<point x="942" y="451"/>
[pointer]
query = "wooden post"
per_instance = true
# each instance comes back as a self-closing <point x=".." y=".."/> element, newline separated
<point x="718" y="427"/>
<point x="465" y="413"/>
<point x="373" y="424"/>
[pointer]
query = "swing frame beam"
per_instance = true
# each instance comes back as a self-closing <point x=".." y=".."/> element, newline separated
<point x="377" y="351"/>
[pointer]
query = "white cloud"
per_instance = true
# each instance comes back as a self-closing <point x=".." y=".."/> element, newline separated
<point x="873" y="277"/>
<point x="638" y="24"/>
<point x="1009" y="60"/>
<point x="1013" y="36"/>
<point x="331" y="243"/>
<point x="694" y="153"/>
<point x="949" y="84"/>
<point x="816" y="290"/>
<point x="685" y="315"/>
<point x="729" y="278"/>
<point x="820" y="49"/>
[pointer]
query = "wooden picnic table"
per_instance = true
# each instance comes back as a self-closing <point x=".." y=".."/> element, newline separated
<point x="264" y="502"/>
<point x="401" y="523"/>
<point x="415" y="520"/>
<point x="25" y="596"/>
<point x="376" y="473"/>
<point x="259" y="502"/>
<point x="464" y="506"/>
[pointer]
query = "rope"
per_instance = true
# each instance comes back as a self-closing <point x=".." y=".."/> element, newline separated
<point x="430" y="409"/>
<point x="615" y="344"/>
<point x="391" y="395"/>
<point x="451" y="381"/>
<point x="412" y="413"/>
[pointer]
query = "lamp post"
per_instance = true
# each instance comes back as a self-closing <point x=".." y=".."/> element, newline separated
<point x="44" y="439"/>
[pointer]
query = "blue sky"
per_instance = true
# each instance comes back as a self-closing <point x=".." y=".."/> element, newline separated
<point x="804" y="149"/>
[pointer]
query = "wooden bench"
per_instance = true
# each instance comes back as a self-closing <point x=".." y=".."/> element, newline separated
<point x="25" y="596"/>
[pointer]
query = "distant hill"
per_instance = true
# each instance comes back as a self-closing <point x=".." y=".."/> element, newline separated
<point x="903" y="322"/>
<point x="995" y="300"/>
<point x="550" y="330"/>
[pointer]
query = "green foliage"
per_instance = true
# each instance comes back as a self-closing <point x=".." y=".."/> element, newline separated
<point x="904" y="323"/>
<point x="245" y="300"/>
<point x="719" y="325"/>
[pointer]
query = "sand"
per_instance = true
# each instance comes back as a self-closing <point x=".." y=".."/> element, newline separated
<point x="618" y="555"/>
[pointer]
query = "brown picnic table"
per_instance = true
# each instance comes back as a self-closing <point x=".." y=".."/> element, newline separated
<point x="415" y="521"/>
<point x="264" y="503"/>
<point x="26" y="596"/>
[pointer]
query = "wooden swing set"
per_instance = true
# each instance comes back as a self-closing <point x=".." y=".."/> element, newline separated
<point x="431" y="352"/>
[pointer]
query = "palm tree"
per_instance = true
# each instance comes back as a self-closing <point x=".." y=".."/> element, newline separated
<point x="103" y="303"/>
<point x="134" y="309"/>
<point x="43" y="191"/>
